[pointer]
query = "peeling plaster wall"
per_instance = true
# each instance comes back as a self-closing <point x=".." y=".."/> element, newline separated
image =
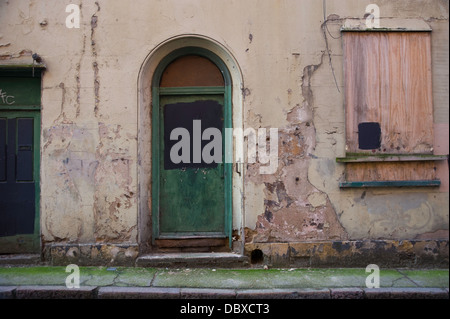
<point x="383" y="213"/>
<point x="293" y="81"/>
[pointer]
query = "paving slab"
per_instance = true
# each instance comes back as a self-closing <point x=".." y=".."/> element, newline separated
<point x="97" y="276"/>
<point x="125" y="277"/>
<point x="204" y="283"/>
<point x="427" y="279"/>
<point x="89" y="276"/>
<point x="20" y="276"/>
<point x="274" y="278"/>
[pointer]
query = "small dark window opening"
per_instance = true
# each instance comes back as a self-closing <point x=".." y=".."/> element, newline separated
<point x="369" y="136"/>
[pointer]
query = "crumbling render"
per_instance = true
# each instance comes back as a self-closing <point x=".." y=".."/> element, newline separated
<point x="294" y="209"/>
<point x="15" y="55"/>
<point x="116" y="198"/>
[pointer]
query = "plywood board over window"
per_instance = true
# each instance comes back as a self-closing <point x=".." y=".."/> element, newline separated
<point x="388" y="81"/>
<point x="389" y="107"/>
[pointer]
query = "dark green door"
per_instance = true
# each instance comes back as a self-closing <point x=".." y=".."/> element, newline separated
<point x="19" y="153"/>
<point x="20" y="104"/>
<point x="191" y="183"/>
<point x="192" y="192"/>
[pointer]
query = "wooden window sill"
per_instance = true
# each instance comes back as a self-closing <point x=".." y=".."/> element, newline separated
<point x="366" y="158"/>
<point x="375" y="184"/>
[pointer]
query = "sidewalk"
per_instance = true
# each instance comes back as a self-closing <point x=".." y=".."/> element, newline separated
<point x="152" y="283"/>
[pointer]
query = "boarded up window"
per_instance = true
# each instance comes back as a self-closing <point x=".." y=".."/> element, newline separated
<point x="389" y="107"/>
<point x="388" y="81"/>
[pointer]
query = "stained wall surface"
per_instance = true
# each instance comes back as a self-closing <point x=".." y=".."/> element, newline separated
<point x="290" y="58"/>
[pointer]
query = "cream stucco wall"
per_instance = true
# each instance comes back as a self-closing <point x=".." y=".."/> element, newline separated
<point x="92" y="154"/>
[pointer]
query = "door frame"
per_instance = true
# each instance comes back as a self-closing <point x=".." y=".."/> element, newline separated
<point x="155" y="118"/>
<point x="153" y="54"/>
<point x="29" y="243"/>
<point x="156" y="152"/>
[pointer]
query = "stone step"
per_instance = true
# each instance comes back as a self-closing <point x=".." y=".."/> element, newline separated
<point x="20" y="260"/>
<point x="185" y="260"/>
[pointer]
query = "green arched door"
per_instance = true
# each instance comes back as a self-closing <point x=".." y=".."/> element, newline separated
<point x="191" y="182"/>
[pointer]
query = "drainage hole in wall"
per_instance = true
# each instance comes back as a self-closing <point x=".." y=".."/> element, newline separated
<point x="257" y="256"/>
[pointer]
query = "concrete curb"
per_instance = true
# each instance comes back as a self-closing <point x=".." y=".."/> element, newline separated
<point x="7" y="292"/>
<point x="347" y="293"/>
<point x="406" y="293"/>
<point x="138" y="293"/>
<point x="93" y="292"/>
<point x="47" y="292"/>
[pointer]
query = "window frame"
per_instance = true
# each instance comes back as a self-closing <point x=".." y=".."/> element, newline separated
<point x="354" y="156"/>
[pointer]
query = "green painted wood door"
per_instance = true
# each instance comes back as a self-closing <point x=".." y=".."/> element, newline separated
<point x="191" y="195"/>
<point x="19" y="181"/>
<point x="192" y="192"/>
<point x="20" y="123"/>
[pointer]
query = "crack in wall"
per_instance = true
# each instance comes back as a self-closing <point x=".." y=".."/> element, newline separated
<point x="94" y="24"/>
<point x="308" y="72"/>
<point x="62" y="114"/>
<point x="77" y="78"/>
<point x="96" y="88"/>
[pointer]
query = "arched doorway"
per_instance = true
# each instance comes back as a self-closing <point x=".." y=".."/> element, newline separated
<point x="181" y="50"/>
<point x="191" y="183"/>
